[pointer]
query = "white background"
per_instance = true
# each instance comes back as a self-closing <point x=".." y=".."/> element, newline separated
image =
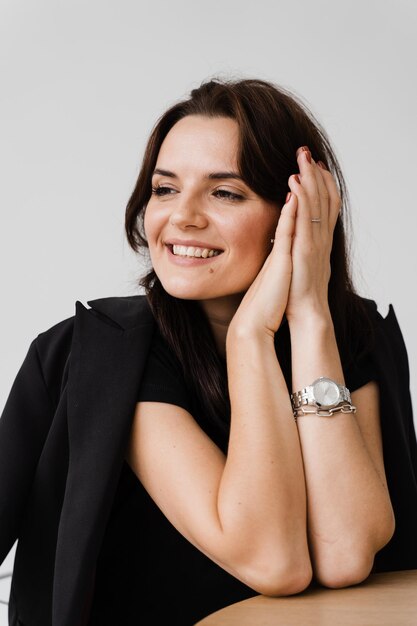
<point x="82" y="84"/>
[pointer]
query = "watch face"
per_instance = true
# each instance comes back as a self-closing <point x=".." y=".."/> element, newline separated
<point x="326" y="392"/>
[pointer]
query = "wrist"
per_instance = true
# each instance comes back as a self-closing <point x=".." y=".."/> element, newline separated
<point x="314" y="351"/>
<point x="238" y="336"/>
<point x="308" y="320"/>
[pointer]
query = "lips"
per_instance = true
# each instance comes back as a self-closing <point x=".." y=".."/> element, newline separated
<point x="191" y="242"/>
<point x="190" y="261"/>
<point x="171" y="248"/>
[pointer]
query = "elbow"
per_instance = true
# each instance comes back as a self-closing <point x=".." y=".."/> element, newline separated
<point x="277" y="579"/>
<point x="351" y="565"/>
<point x="343" y="572"/>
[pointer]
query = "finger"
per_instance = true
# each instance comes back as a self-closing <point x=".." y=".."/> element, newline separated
<point x="286" y="226"/>
<point x="323" y="194"/>
<point x="308" y="180"/>
<point x="335" y="202"/>
<point x="312" y="208"/>
<point x="303" y="225"/>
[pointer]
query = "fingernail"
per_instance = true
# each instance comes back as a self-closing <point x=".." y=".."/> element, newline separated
<point x="321" y="164"/>
<point x="288" y="197"/>
<point x="297" y="178"/>
<point x="308" y="155"/>
<point x="303" y="149"/>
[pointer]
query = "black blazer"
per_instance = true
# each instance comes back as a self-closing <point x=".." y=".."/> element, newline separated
<point x="63" y="438"/>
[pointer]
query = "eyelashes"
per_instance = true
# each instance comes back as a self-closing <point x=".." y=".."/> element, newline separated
<point x="159" y="191"/>
<point x="229" y="195"/>
<point x="221" y="193"/>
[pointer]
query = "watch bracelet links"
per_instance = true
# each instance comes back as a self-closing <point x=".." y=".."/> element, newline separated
<point x="340" y="408"/>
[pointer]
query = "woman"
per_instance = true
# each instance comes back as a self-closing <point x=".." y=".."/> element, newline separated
<point x="240" y="471"/>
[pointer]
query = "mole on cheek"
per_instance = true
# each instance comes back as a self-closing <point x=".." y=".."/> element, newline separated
<point x="211" y="270"/>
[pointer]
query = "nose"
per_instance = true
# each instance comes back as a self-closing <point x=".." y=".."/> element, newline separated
<point x="188" y="212"/>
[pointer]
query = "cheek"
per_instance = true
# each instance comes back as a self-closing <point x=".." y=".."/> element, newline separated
<point x="255" y="245"/>
<point x="146" y="220"/>
<point x="150" y="224"/>
<point x="251" y="256"/>
<point x="151" y="234"/>
<point x="256" y="235"/>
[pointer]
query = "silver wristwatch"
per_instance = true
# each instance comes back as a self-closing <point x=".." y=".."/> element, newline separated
<point x="325" y="395"/>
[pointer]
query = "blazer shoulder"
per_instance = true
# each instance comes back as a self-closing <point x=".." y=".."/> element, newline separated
<point x="53" y="347"/>
<point x="373" y="311"/>
<point x="56" y="336"/>
<point x="114" y="307"/>
<point x="126" y="311"/>
<point x="369" y="306"/>
<point x="388" y="324"/>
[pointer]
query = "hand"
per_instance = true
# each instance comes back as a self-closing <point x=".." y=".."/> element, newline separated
<point x="317" y="197"/>
<point x="262" y="308"/>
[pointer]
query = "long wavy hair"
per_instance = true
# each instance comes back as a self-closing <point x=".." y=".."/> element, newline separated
<point x="272" y="123"/>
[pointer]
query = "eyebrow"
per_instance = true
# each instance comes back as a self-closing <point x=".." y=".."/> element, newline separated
<point x="211" y="176"/>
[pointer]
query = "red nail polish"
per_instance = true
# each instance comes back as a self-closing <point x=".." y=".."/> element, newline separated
<point x="321" y="164"/>
<point x="308" y="155"/>
<point x="288" y="197"/>
<point x="297" y="178"/>
<point x="302" y="149"/>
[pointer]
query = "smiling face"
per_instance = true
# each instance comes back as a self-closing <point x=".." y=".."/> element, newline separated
<point x="198" y="195"/>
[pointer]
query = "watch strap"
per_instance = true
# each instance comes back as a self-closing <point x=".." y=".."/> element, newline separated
<point x="306" y="396"/>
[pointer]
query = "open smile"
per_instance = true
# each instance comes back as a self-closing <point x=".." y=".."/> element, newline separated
<point x="189" y="260"/>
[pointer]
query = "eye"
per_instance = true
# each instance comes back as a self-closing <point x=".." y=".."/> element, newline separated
<point x="222" y="193"/>
<point x="229" y="195"/>
<point x="160" y="191"/>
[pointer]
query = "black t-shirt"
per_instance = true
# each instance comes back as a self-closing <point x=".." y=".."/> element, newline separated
<point x="147" y="572"/>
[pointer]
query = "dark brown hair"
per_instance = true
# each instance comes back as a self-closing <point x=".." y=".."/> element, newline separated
<point x="273" y="123"/>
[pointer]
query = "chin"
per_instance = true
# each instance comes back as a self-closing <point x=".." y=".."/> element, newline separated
<point x="191" y="292"/>
<point x="183" y="292"/>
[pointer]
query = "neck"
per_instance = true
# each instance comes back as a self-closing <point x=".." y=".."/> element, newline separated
<point x="220" y="312"/>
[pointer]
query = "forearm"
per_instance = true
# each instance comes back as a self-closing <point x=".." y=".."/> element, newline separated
<point x="348" y="504"/>
<point x="261" y="499"/>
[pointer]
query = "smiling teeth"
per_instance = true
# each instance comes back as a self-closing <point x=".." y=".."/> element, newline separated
<point x="193" y="251"/>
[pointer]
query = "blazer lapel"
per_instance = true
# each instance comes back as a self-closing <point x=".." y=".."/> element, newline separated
<point x="109" y="350"/>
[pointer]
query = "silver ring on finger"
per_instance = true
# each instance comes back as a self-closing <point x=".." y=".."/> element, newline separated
<point x="316" y="220"/>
